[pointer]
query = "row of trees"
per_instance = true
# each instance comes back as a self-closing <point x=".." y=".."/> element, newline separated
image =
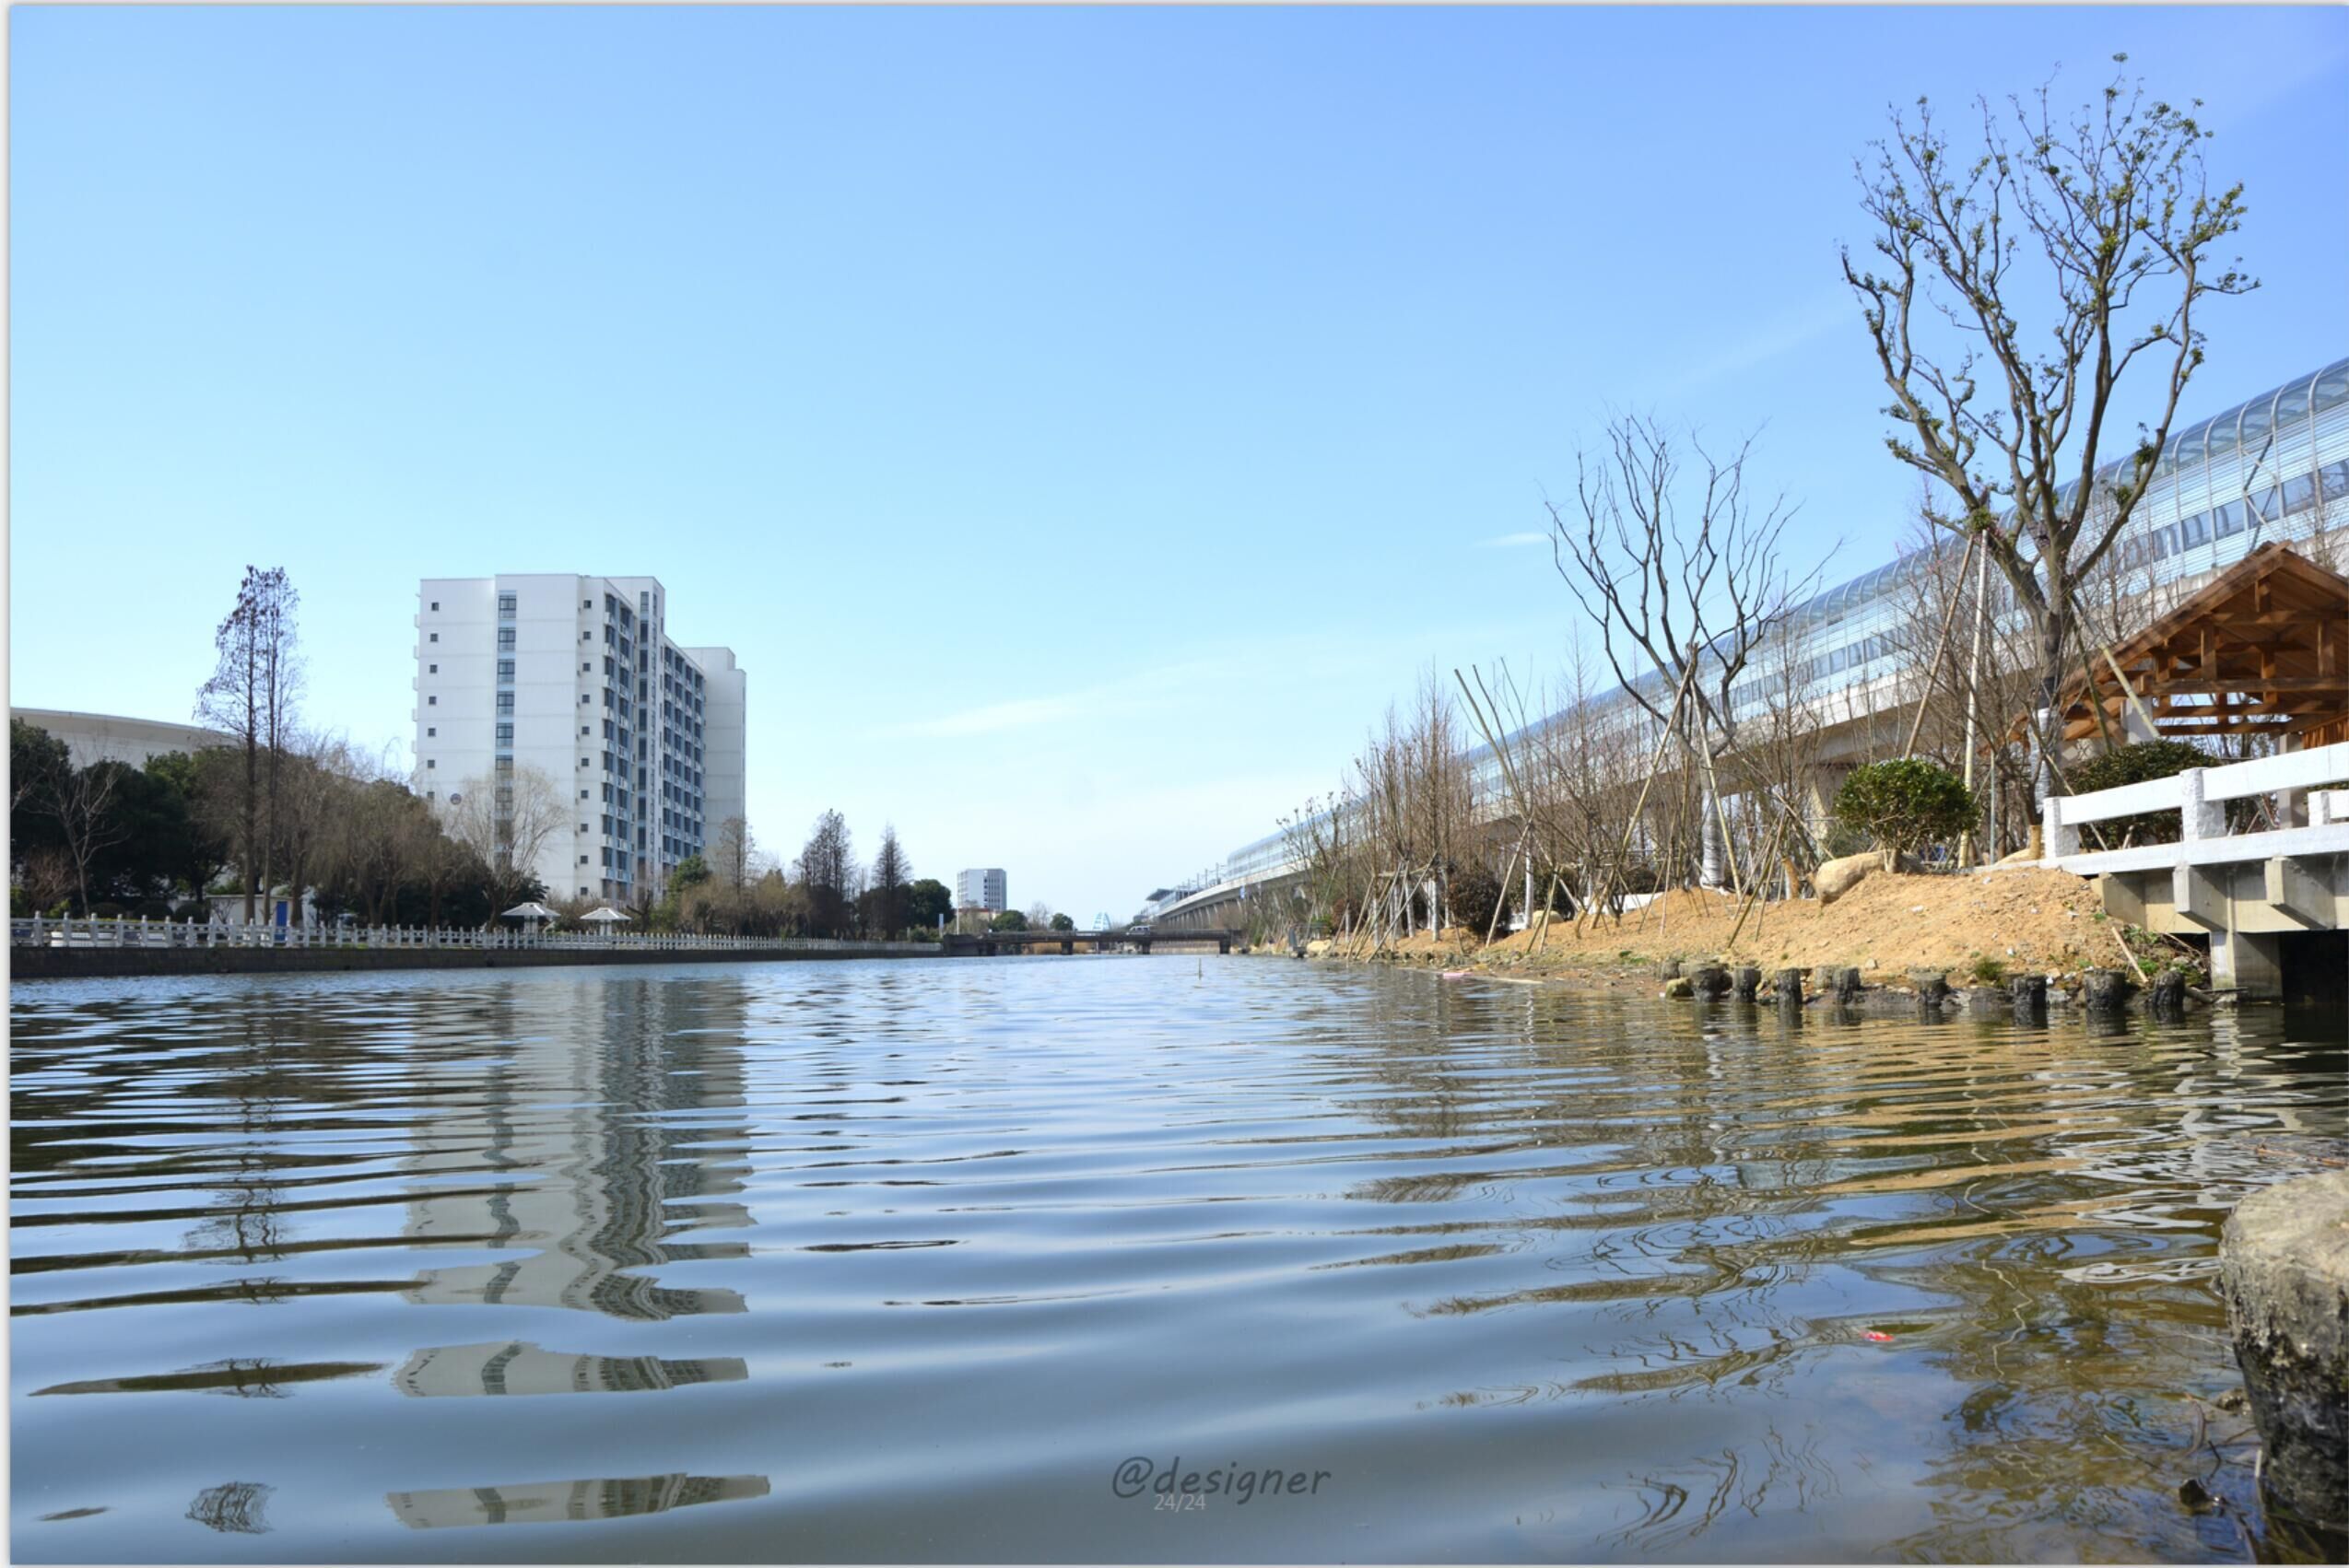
<point x="738" y="889"/>
<point x="111" y="838"/>
<point x="2000" y="305"/>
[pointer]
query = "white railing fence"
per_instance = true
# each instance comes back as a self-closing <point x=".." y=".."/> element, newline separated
<point x="2199" y="797"/>
<point x="41" y="932"/>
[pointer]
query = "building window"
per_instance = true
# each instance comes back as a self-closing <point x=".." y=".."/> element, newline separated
<point x="432" y="702"/>
<point x="505" y="669"/>
<point x="432" y="668"/>
<point x="430" y="763"/>
<point x="582" y="860"/>
<point x="505" y="606"/>
<point x="436" y="636"/>
<point x="436" y="604"/>
<point x="505" y="639"/>
<point x="505" y="735"/>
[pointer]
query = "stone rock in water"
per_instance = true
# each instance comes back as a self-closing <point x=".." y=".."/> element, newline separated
<point x="2284" y="1267"/>
<point x="1749" y="980"/>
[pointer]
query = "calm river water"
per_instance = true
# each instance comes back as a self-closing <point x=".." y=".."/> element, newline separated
<point x="934" y="1260"/>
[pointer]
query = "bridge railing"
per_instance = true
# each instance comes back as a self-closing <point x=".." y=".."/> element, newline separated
<point x="2198" y="796"/>
<point x="41" y="932"/>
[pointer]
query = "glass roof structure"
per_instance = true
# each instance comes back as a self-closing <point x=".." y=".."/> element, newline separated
<point x="2272" y="467"/>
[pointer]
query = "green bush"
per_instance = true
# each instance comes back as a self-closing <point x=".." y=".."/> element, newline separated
<point x="1475" y="894"/>
<point x="2134" y="764"/>
<point x="1903" y="806"/>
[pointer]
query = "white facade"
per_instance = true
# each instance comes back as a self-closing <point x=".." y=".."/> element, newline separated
<point x="724" y="724"/>
<point x="981" y="888"/>
<point x="577" y="678"/>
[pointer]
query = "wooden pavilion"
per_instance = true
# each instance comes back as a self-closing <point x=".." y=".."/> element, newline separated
<point x="2261" y="650"/>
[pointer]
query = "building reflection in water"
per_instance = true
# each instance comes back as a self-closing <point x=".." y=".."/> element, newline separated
<point x="594" y="1125"/>
<point x="236" y="1508"/>
<point x="550" y="1501"/>
<point x="515" y="1367"/>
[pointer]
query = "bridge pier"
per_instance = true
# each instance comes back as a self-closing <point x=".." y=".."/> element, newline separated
<point x="2250" y="963"/>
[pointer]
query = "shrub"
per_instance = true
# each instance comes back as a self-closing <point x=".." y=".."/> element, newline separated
<point x="1987" y="971"/>
<point x="1903" y="806"/>
<point x="1476" y="895"/>
<point x="2134" y="764"/>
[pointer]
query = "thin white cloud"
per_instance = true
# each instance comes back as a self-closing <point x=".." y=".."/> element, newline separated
<point x="994" y="718"/>
<point x="1512" y="541"/>
<point x="1782" y="333"/>
<point x="1090" y="705"/>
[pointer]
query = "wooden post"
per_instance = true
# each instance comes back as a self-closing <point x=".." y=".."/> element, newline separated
<point x="1939" y="644"/>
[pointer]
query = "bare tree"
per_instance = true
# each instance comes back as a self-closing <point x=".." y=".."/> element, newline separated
<point x="733" y="855"/>
<point x="890" y="878"/>
<point x="234" y="700"/>
<point x="507" y="822"/>
<point x="827" y="875"/>
<point x="2012" y="419"/>
<point x="81" y="803"/>
<point x="252" y="694"/>
<point x="1678" y="564"/>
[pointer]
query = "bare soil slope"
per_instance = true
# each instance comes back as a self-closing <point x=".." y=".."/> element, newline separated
<point x="2026" y="921"/>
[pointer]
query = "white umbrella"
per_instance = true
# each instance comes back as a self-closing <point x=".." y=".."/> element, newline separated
<point x="604" y="915"/>
<point x="530" y="911"/>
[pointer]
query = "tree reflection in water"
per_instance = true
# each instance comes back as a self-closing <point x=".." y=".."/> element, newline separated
<point x="234" y="1507"/>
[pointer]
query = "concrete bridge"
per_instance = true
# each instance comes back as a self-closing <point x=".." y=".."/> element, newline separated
<point x="987" y="944"/>
<point x="2257" y="897"/>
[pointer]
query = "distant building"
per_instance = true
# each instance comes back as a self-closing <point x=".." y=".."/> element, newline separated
<point x="111" y="737"/>
<point x="577" y="677"/>
<point x="981" y="888"/>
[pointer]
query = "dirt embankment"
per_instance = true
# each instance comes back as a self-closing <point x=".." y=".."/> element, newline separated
<point x="2026" y="922"/>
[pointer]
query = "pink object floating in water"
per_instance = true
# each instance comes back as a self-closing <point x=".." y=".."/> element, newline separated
<point x="1874" y="1334"/>
<point x="1456" y="974"/>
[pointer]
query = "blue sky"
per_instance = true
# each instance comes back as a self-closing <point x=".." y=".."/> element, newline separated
<point x="1080" y="422"/>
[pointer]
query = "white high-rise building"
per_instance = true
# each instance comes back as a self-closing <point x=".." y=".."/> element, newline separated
<point x="981" y="888"/>
<point x="577" y="679"/>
